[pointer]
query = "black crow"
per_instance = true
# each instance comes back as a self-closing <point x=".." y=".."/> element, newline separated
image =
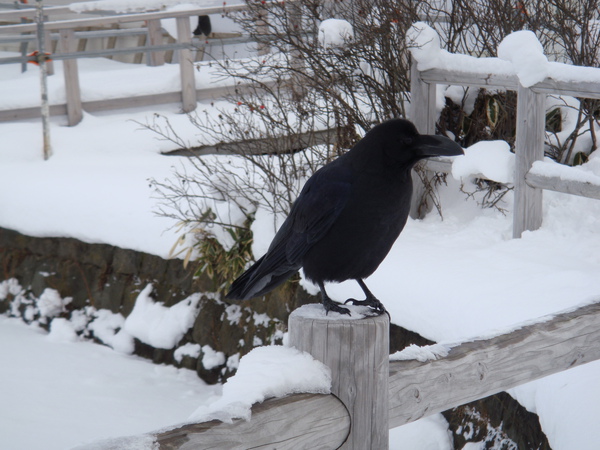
<point x="204" y="26"/>
<point x="348" y="215"/>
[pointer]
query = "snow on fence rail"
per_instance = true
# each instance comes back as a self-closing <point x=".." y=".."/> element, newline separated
<point x="533" y="77"/>
<point x="358" y="414"/>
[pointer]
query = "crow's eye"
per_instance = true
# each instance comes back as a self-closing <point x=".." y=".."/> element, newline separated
<point x="407" y="141"/>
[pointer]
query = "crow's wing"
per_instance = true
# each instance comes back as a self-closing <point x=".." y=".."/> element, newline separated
<point x="315" y="210"/>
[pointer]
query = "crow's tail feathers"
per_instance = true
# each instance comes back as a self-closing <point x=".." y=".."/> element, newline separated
<point x="259" y="279"/>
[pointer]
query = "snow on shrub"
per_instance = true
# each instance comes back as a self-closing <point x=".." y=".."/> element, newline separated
<point x="107" y="327"/>
<point x="335" y="33"/>
<point x="189" y="349"/>
<point x="212" y="358"/>
<point x="51" y="304"/>
<point x="158" y="325"/>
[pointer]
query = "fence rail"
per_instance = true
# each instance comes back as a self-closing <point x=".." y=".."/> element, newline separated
<point x="471" y="370"/>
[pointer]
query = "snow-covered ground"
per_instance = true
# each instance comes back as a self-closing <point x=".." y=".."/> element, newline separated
<point x="450" y="280"/>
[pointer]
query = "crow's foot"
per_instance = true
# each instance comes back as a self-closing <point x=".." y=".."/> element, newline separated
<point x="372" y="303"/>
<point x="330" y="305"/>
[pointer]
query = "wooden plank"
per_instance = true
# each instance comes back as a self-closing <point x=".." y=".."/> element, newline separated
<point x="186" y="65"/>
<point x="575" y="88"/>
<point x="574" y="187"/>
<point x="283" y="143"/>
<point x="529" y="147"/>
<point x="206" y="94"/>
<point x="73" y="91"/>
<point x="302" y="421"/>
<point x="357" y="352"/>
<point x="31" y="113"/>
<point x="480" y="368"/>
<point x="422" y="101"/>
<point x="467" y="78"/>
<point x="155" y="38"/>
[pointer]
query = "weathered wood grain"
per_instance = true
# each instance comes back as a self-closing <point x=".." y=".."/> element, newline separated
<point x="574" y="187"/>
<point x="466" y="78"/>
<point x="529" y="147"/>
<point x="357" y="352"/>
<point x="260" y="146"/>
<point x="477" y="369"/>
<point x="301" y="421"/>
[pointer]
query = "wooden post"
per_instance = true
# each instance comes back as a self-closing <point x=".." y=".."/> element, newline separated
<point x="186" y="65"/>
<point x="422" y="101"/>
<point x="529" y="147"/>
<point x="73" y="91"/>
<point x="357" y="352"/>
<point x="155" y="37"/>
<point x="422" y="114"/>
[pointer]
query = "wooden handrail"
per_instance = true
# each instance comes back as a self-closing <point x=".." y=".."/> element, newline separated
<point x="471" y="370"/>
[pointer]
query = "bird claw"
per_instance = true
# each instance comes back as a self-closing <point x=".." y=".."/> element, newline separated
<point x="330" y="305"/>
<point x="372" y="303"/>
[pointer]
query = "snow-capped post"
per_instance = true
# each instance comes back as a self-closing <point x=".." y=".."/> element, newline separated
<point x="186" y="65"/>
<point x="73" y="91"/>
<point x="357" y="352"/>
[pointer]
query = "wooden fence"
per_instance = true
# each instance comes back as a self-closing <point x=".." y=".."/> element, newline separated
<point x="357" y="414"/>
<point x="531" y="129"/>
<point x="64" y="31"/>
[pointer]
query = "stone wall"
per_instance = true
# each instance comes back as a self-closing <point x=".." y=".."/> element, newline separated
<point x="110" y="278"/>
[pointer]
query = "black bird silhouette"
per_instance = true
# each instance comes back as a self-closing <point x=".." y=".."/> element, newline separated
<point x="347" y="216"/>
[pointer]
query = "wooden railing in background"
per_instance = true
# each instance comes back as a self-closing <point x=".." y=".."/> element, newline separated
<point x="531" y="131"/>
<point x="74" y="106"/>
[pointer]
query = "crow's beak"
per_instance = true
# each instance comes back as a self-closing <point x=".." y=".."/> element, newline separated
<point x="430" y="145"/>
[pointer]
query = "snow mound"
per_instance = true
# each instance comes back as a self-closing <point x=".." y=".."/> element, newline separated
<point x="61" y="330"/>
<point x="51" y="304"/>
<point x="108" y="328"/>
<point x="335" y="33"/>
<point x="488" y="159"/>
<point x="157" y="325"/>
<point x="525" y="52"/>
<point x="271" y="371"/>
<point x="422" y="354"/>
<point x="424" y="44"/>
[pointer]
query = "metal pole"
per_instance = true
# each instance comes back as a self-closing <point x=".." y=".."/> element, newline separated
<point x="41" y="57"/>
